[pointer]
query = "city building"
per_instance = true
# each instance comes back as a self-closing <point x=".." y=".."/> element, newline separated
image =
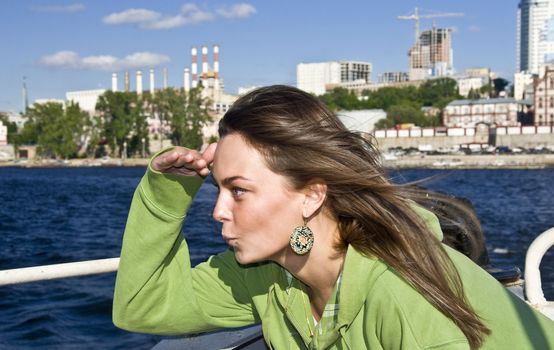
<point x="358" y="87"/>
<point x="393" y="77"/>
<point x="3" y="134"/>
<point x="315" y="77"/>
<point x="466" y="84"/>
<point x="41" y="101"/>
<point x="523" y="85"/>
<point x="535" y="35"/>
<point x="431" y="56"/>
<point x="86" y="99"/>
<point x="17" y="118"/>
<point x="543" y="97"/>
<point x="243" y="90"/>
<point x="494" y="111"/>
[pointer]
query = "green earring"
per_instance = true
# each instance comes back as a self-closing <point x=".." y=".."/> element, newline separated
<point x="302" y="239"/>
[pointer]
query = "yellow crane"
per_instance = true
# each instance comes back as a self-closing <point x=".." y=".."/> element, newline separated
<point x="416" y="16"/>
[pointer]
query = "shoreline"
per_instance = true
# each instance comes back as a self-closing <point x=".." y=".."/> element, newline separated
<point x="481" y="161"/>
<point x="76" y="163"/>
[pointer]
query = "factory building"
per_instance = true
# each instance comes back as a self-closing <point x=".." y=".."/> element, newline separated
<point x="315" y="78"/>
<point x="431" y="56"/>
<point x="86" y="99"/>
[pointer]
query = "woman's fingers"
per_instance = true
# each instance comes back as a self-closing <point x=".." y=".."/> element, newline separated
<point x="165" y="160"/>
<point x="184" y="161"/>
<point x="209" y="153"/>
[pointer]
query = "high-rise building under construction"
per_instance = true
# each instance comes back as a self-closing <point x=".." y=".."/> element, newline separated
<point x="431" y="56"/>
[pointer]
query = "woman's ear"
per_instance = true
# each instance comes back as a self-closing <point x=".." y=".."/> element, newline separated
<point x="315" y="194"/>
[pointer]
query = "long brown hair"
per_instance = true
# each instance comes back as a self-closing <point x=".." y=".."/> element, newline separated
<point x="302" y="140"/>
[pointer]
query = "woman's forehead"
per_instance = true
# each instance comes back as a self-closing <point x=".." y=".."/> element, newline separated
<point x="235" y="155"/>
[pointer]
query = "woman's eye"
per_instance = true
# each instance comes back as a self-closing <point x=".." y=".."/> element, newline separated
<point x="237" y="191"/>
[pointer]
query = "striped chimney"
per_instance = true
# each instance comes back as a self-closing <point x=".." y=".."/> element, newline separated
<point x="114" y="82"/>
<point x="126" y="82"/>
<point x="139" y="82"/>
<point x="165" y="78"/>
<point x="216" y="61"/>
<point x="151" y="81"/>
<point x="194" y="68"/>
<point x="186" y="80"/>
<point x="204" y="62"/>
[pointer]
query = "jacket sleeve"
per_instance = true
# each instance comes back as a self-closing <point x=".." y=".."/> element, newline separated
<point x="156" y="289"/>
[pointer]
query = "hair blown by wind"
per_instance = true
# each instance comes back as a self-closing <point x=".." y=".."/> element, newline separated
<point x="301" y="139"/>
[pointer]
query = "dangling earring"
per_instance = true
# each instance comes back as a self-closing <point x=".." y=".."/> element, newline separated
<point x="302" y="239"/>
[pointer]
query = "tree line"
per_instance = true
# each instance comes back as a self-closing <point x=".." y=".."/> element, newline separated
<point x="119" y="128"/>
<point x="404" y="104"/>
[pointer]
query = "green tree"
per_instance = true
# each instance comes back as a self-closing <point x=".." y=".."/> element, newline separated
<point x="402" y="114"/>
<point x="438" y="92"/>
<point x="386" y="97"/>
<point x="473" y="94"/>
<point x="340" y="99"/>
<point x="185" y="113"/>
<point x="123" y="122"/>
<point x="499" y="85"/>
<point x="58" y="132"/>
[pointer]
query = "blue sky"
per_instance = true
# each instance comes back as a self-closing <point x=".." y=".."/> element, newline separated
<point x="64" y="46"/>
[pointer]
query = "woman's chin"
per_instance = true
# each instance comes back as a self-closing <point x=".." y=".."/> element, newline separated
<point x="244" y="259"/>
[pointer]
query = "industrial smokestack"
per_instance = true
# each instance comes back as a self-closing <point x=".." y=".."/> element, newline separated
<point x="216" y="61"/>
<point x="186" y="80"/>
<point x="194" y="67"/>
<point x="25" y="96"/>
<point x="126" y="81"/>
<point x="165" y="78"/>
<point x="204" y="62"/>
<point x="151" y="81"/>
<point x="139" y="82"/>
<point x="114" y="82"/>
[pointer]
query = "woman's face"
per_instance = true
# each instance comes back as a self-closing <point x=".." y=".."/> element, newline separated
<point x="257" y="207"/>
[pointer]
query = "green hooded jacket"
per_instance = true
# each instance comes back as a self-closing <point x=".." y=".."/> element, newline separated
<point x="158" y="292"/>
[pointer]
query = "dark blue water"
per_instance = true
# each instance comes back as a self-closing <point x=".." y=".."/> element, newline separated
<point x="50" y="216"/>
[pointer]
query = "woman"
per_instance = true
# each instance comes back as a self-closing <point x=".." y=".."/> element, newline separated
<point x="325" y="251"/>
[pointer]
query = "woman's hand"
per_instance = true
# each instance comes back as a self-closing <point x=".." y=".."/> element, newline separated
<point x="183" y="161"/>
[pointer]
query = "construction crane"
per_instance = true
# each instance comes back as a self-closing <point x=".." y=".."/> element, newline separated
<point x="416" y="16"/>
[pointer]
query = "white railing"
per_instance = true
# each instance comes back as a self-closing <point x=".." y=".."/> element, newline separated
<point x="533" y="286"/>
<point x="50" y="272"/>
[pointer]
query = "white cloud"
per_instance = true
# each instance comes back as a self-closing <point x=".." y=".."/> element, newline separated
<point x="72" y="60"/>
<point x="68" y="59"/>
<point x="58" y="8"/>
<point x="474" y="29"/>
<point x="165" y="23"/>
<point x="194" y="15"/>
<point x="237" y="11"/>
<point x="131" y="16"/>
<point x="142" y="59"/>
<point x="190" y="14"/>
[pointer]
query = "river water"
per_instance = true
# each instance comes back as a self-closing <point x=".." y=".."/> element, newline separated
<point x="58" y="215"/>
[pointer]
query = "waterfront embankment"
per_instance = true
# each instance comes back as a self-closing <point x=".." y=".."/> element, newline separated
<point x="86" y="162"/>
<point x="421" y="161"/>
<point x="477" y="161"/>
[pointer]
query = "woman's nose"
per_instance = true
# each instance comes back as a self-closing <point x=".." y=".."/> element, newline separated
<point x="221" y="211"/>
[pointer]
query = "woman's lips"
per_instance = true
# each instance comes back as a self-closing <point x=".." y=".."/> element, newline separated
<point x="229" y="240"/>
